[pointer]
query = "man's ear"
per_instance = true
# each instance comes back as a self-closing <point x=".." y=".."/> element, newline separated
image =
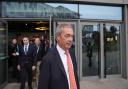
<point x="57" y="38"/>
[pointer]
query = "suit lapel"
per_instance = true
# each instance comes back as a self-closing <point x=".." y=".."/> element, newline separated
<point x="29" y="48"/>
<point x="23" y="49"/>
<point x="59" y="62"/>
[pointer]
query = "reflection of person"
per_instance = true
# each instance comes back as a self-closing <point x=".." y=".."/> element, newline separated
<point x="13" y="54"/>
<point x="59" y="69"/>
<point x="26" y="62"/>
<point x="89" y="53"/>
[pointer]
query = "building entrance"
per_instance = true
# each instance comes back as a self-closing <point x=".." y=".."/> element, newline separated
<point x="17" y="30"/>
<point x="96" y="44"/>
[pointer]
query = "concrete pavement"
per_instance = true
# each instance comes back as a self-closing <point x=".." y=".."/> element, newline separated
<point x="89" y="84"/>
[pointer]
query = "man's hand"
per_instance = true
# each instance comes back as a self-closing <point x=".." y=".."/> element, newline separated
<point x="14" y="54"/>
<point x="18" y="67"/>
<point x="38" y="63"/>
<point x="33" y="67"/>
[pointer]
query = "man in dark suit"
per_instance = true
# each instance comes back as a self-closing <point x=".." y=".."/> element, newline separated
<point x="56" y="73"/>
<point x="13" y="50"/>
<point x="39" y="51"/>
<point x="26" y="62"/>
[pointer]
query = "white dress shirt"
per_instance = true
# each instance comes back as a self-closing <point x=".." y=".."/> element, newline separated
<point x="27" y="47"/>
<point x="64" y="61"/>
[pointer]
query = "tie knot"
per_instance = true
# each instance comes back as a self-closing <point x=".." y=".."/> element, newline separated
<point x="67" y="52"/>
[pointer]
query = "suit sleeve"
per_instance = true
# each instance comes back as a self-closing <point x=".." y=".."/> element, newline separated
<point x="34" y="56"/>
<point x="44" y="74"/>
<point x="20" y="56"/>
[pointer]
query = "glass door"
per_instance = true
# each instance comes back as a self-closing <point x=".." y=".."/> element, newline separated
<point x="90" y="49"/>
<point x="112" y="53"/>
<point x="100" y="53"/>
<point x="3" y="53"/>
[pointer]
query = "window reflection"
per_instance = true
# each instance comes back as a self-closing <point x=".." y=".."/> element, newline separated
<point x="34" y="9"/>
<point x="2" y="40"/>
<point x="100" y="12"/>
<point x="90" y="50"/>
<point x="3" y="50"/>
<point x="112" y="49"/>
<point x="60" y="10"/>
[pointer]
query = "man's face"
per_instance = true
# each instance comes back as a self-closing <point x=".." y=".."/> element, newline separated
<point x="14" y="41"/>
<point x="65" y="39"/>
<point x="37" y="41"/>
<point x="25" y="40"/>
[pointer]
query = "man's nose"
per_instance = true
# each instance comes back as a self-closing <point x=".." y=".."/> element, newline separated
<point x="70" y="38"/>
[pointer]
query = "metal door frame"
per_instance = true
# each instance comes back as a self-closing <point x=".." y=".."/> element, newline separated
<point x="81" y="22"/>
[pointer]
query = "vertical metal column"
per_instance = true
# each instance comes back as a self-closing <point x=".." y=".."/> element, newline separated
<point x="126" y="33"/>
<point x="101" y="51"/>
<point x="79" y="52"/>
<point x="54" y="31"/>
<point x="50" y="23"/>
<point x="80" y="49"/>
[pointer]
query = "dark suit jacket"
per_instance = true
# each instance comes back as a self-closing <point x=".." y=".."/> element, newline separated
<point x="39" y="55"/>
<point x="26" y="58"/>
<point x="53" y="75"/>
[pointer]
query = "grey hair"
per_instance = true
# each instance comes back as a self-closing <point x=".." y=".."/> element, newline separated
<point x="60" y="28"/>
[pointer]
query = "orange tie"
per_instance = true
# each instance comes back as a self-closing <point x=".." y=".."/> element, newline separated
<point x="71" y="72"/>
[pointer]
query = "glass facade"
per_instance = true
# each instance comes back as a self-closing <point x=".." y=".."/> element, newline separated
<point x="39" y="10"/>
<point x="59" y="10"/>
<point x="90" y="37"/>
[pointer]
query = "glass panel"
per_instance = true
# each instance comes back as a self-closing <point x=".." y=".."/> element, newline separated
<point x="100" y="12"/>
<point x="2" y="40"/>
<point x="3" y="62"/>
<point x="34" y="9"/>
<point x="90" y="50"/>
<point x="67" y="11"/>
<point x="112" y="49"/>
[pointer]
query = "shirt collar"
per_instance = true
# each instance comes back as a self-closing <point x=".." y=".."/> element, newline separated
<point x="60" y="49"/>
<point x="27" y="45"/>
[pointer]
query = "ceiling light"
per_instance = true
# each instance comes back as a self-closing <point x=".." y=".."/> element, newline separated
<point x="41" y="28"/>
<point x="40" y="22"/>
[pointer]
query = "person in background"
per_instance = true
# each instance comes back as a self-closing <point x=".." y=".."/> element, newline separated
<point x="59" y="67"/>
<point x="40" y="51"/>
<point x="26" y="63"/>
<point x="14" y="54"/>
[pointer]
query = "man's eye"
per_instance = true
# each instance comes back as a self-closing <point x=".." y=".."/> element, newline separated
<point x="67" y="36"/>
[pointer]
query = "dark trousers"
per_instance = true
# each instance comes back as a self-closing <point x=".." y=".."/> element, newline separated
<point x="26" y="74"/>
<point x="15" y="72"/>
